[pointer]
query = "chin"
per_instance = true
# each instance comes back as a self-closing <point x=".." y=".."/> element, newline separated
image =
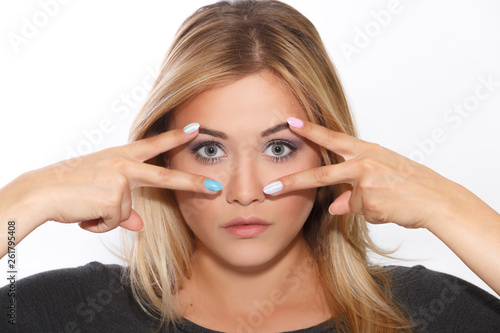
<point x="249" y="257"/>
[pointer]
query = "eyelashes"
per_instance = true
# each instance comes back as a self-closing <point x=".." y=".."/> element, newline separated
<point x="280" y="150"/>
<point x="210" y="152"/>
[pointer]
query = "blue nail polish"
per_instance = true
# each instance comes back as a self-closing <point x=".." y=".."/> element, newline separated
<point x="273" y="187"/>
<point x="191" y="128"/>
<point x="213" y="185"/>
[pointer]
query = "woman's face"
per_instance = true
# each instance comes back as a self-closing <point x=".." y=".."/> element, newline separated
<point x="244" y="143"/>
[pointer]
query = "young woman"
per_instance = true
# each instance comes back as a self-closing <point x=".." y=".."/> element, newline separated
<point x="250" y="193"/>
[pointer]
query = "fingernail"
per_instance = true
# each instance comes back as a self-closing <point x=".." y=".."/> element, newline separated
<point x="295" y="122"/>
<point x="213" y="185"/>
<point x="191" y="128"/>
<point x="273" y="187"/>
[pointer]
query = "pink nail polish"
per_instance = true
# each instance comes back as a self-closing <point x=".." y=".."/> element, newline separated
<point x="295" y="122"/>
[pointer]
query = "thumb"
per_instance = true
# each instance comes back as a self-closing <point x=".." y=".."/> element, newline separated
<point x="340" y="205"/>
<point x="133" y="223"/>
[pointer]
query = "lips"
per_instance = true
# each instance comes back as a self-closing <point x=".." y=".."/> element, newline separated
<point x="241" y="227"/>
<point x="239" y="221"/>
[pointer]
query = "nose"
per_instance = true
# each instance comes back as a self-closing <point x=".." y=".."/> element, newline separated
<point x="245" y="185"/>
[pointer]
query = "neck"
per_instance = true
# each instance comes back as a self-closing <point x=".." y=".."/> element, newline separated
<point x="236" y="292"/>
<point x="220" y="278"/>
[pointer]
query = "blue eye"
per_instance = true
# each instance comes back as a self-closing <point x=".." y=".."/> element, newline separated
<point x="208" y="152"/>
<point x="280" y="150"/>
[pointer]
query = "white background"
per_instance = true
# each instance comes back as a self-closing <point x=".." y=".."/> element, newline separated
<point x="78" y="66"/>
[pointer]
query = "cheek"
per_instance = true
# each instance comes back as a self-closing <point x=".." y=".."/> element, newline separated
<point x="295" y="206"/>
<point x="182" y="159"/>
<point x="191" y="203"/>
<point x="197" y="209"/>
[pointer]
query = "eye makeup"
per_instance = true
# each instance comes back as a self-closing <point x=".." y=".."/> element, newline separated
<point x="208" y="151"/>
<point x="280" y="150"/>
<point x="211" y="151"/>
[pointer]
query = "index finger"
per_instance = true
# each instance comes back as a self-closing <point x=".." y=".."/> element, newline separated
<point x="312" y="178"/>
<point x="146" y="175"/>
<point x="340" y="143"/>
<point x="145" y="149"/>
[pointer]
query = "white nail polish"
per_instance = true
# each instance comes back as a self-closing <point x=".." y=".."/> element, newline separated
<point x="273" y="187"/>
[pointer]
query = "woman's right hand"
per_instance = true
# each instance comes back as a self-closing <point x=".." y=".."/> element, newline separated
<point x="95" y="190"/>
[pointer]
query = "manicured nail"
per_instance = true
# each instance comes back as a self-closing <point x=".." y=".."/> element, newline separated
<point x="191" y="128"/>
<point x="213" y="185"/>
<point x="295" y="122"/>
<point x="330" y="210"/>
<point x="273" y="187"/>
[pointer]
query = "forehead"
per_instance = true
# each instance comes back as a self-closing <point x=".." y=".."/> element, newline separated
<point x="253" y="102"/>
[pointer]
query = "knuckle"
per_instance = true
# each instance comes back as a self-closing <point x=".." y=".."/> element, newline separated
<point x="369" y="165"/>
<point x="370" y="206"/>
<point x="321" y="174"/>
<point x="365" y="164"/>
<point x="364" y="184"/>
<point x="374" y="210"/>
<point x="106" y="225"/>
<point x="165" y="175"/>
<point x="115" y="162"/>
<point x="120" y="181"/>
<point x="332" y="135"/>
<point x="289" y="181"/>
<point x="112" y="201"/>
<point x="373" y="216"/>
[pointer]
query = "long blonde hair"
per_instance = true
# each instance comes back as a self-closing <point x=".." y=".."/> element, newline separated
<point x="220" y="43"/>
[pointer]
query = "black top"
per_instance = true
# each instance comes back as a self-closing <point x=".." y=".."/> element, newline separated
<point x="94" y="298"/>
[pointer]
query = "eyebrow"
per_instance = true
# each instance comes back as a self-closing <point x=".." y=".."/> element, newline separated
<point x="222" y="135"/>
<point x="274" y="129"/>
<point x="217" y="134"/>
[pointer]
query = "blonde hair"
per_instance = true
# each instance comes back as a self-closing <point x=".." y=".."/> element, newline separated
<point x="220" y="43"/>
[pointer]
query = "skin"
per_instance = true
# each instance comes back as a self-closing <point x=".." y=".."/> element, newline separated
<point x="237" y="274"/>
<point x="93" y="190"/>
<point x="388" y="187"/>
<point x="230" y="273"/>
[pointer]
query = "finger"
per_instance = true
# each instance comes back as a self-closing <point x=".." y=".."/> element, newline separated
<point x="148" y="148"/>
<point x="108" y="221"/>
<point x="147" y="175"/>
<point x="96" y="226"/>
<point x="312" y="178"/>
<point x="133" y="223"/>
<point x="340" y="205"/>
<point x="340" y="143"/>
<point x="126" y="205"/>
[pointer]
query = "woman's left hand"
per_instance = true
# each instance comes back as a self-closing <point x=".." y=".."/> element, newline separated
<point x="388" y="187"/>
